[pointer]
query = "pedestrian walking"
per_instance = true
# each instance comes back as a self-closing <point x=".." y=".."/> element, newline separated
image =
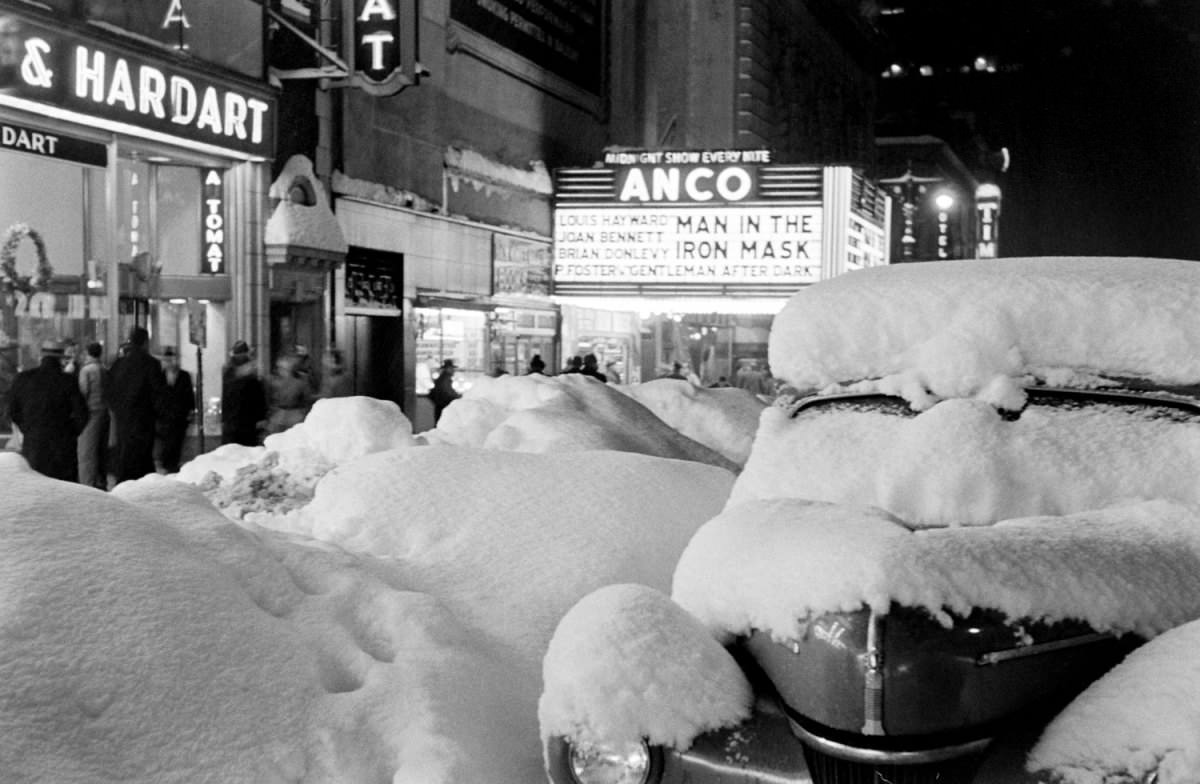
<point x="290" y="395"/>
<point x="591" y="367"/>
<point x="135" y="392"/>
<point x="93" y="441"/>
<point x="45" y="403"/>
<point x="443" y="392"/>
<point x="537" y="366"/>
<point x="243" y="399"/>
<point x="335" y="382"/>
<point x="178" y="403"/>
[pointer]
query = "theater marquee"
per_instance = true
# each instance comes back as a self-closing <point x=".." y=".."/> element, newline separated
<point x="710" y="222"/>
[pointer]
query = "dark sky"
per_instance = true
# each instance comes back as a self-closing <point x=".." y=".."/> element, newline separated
<point x="1098" y="102"/>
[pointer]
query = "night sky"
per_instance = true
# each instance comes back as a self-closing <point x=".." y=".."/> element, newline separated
<point x="1098" y="102"/>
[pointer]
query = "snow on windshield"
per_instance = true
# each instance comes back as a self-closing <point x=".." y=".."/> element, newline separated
<point x="962" y="463"/>
<point x="964" y="328"/>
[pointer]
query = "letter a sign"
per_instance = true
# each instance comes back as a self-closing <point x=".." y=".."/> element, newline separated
<point x="384" y="44"/>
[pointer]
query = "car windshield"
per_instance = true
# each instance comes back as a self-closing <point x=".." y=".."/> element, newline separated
<point x="962" y="462"/>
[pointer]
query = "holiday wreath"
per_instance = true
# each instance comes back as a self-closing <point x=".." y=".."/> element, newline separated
<point x="9" y="279"/>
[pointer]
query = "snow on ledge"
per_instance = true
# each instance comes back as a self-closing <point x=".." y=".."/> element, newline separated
<point x="953" y="328"/>
<point x="298" y="224"/>
<point x="770" y="565"/>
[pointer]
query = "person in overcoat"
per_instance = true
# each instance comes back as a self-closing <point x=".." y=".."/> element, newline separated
<point x="178" y="403"/>
<point x="46" y="405"/>
<point x="135" y="395"/>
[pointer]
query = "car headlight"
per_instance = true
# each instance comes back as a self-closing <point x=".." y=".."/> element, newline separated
<point x="601" y="762"/>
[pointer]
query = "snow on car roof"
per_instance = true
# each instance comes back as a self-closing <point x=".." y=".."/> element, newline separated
<point x="953" y="328"/>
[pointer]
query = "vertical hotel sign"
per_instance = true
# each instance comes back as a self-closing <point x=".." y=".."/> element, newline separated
<point x="212" y="208"/>
<point x="58" y="67"/>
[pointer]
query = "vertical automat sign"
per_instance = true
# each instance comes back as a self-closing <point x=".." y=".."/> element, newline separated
<point x="212" y="222"/>
<point x="383" y="44"/>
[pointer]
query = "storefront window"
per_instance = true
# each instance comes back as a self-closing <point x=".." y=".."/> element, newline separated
<point x="62" y="203"/>
<point x="177" y="219"/>
<point x="458" y="335"/>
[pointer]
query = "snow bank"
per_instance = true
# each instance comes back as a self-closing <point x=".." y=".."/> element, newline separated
<point x="565" y="413"/>
<point x="960" y="462"/>
<point x="722" y="419"/>
<point x="958" y="328"/>
<point x="154" y="642"/>
<point x="1140" y="719"/>
<point x="771" y="564"/>
<point x="512" y="540"/>
<point x="626" y="663"/>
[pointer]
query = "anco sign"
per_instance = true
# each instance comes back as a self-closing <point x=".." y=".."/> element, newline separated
<point x="60" y="68"/>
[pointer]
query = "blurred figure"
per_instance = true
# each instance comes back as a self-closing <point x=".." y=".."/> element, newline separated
<point x="178" y="403"/>
<point x="676" y="372"/>
<point x="290" y="395"/>
<point x="720" y="383"/>
<point x="574" y="365"/>
<point x="591" y="367"/>
<point x="537" y="366"/>
<point x="243" y="399"/>
<point x="135" y="392"/>
<point x="443" y="392"/>
<point x="46" y="404"/>
<point x="93" y="441"/>
<point x="334" y="381"/>
<point x="612" y="371"/>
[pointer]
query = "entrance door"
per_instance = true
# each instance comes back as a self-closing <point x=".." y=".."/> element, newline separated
<point x="375" y="356"/>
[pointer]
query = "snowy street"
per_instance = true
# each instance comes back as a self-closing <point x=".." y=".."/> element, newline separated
<point x="355" y="602"/>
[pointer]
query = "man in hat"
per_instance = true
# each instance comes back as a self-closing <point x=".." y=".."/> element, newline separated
<point x="243" y="398"/>
<point x="135" y="393"/>
<point x="46" y="404"/>
<point x="443" y="392"/>
<point x="178" y="403"/>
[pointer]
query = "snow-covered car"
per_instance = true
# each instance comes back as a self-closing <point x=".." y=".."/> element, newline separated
<point x="984" y="501"/>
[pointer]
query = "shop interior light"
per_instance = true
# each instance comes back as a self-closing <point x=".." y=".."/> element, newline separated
<point x="177" y="301"/>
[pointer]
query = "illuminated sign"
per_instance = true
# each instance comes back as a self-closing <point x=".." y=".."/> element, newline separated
<point x="987" y="217"/>
<point x="59" y="68"/>
<point x="712" y="220"/>
<point x="52" y="145"/>
<point x="212" y="214"/>
<point x="382" y="44"/>
<point x="866" y="244"/>
<point x="716" y="245"/>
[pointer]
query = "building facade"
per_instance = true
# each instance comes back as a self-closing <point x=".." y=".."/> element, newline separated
<point x="136" y="140"/>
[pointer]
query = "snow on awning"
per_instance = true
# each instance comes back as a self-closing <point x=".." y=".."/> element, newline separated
<point x="302" y="222"/>
<point x="485" y="174"/>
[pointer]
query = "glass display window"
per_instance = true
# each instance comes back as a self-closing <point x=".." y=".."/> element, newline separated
<point x="458" y="335"/>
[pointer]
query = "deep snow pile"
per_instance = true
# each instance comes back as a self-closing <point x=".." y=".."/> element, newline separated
<point x="146" y="638"/>
<point x="512" y="540"/>
<point x="569" y="412"/>
<point x="1141" y="719"/>
<point x="968" y="328"/>
<point x="723" y="419"/>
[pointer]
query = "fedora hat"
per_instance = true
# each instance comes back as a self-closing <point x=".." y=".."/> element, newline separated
<point x="52" y="348"/>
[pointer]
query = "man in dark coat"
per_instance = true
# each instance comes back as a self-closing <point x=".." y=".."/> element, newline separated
<point x="178" y="403"/>
<point x="47" y="406"/>
<point x="243" y="399"/>
<point x="443" y="392"/>
<point x="135" y="394"/>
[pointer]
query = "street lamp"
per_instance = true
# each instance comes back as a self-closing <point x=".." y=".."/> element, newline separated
<point x="944" y="201"/>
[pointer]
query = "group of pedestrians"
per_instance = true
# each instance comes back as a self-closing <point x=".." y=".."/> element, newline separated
<point x="81" y="421"/>
<point x="99" y="426"/>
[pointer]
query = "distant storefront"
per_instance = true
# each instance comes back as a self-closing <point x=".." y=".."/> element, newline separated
<point x="704" y="246"/>
<point x="132" y="177"/>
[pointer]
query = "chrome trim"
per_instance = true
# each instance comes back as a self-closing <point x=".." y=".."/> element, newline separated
<point x="995" y="657"/>
<point x="884" y="757"/>
<point x="872" y="661"/>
